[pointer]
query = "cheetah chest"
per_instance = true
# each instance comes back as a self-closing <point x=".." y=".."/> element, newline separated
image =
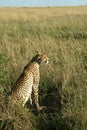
<point x="27" y="88"/>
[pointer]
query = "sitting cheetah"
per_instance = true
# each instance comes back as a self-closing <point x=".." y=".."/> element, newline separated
<point x="28" y="82"/>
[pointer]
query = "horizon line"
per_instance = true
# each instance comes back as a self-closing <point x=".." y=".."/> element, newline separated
<point x="41" y="6"/>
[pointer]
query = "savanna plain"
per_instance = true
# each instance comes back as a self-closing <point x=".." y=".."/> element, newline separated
<point x="60" y="33"/>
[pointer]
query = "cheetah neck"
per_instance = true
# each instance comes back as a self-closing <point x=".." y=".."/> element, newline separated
<point x="32" y="65"/>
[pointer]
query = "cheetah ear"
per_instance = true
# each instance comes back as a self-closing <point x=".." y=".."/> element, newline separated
<point x="38" y="52"/>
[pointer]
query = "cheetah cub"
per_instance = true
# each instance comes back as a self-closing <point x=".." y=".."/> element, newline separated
<point x="28" y="82"/>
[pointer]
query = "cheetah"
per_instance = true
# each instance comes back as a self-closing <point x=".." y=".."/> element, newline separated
<point x="28" y="82"/>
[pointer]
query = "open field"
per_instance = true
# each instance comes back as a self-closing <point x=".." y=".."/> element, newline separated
<point x="61" y="33"/>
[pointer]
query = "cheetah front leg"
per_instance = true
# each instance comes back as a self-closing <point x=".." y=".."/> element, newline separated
<point x="35" y="96"/>
<point x="30" y="100"/>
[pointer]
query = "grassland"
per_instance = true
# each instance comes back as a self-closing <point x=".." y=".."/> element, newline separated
<point x="61" y="33"/>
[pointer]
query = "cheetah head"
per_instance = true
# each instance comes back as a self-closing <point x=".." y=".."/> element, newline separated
<point x="41" y="58"/>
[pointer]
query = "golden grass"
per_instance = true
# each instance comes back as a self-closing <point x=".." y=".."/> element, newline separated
<point x="26" y="13"/>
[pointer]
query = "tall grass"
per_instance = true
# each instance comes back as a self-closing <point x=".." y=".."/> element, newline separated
<point x="61" y="33"/>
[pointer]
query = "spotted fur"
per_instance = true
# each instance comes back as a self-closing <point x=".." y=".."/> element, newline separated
<point x="28" y="82"/>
